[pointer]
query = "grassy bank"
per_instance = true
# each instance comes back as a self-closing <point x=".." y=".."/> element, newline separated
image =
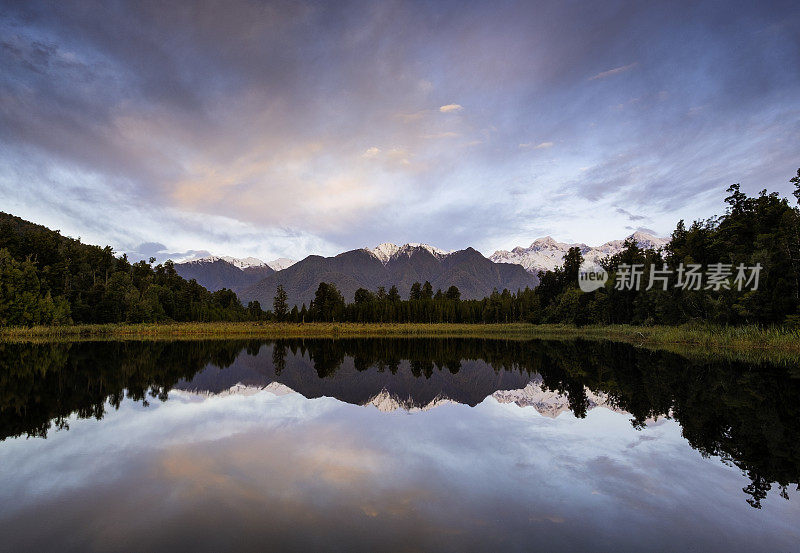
<point x="265" y="330"/>
<point x="740" y="338"/>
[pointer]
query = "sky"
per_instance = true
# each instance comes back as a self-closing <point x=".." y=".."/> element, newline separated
<point x="282" y="129"/>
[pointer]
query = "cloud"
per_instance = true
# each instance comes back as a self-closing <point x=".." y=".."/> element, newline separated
<point x="443" y="134"/>
<point x="323" y="122"/>
<point x="393" y="159"/>
<point x="646" y="230"/>
<point x="630" y="215"/>
<point x="612" y="72"/>
<point x="410" y="117"/>
<point x="540" y="146"/>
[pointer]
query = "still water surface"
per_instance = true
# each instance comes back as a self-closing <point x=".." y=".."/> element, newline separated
<point x="394" y="444"/>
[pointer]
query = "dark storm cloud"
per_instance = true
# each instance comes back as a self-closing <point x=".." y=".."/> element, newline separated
<point x="321" y="123"/>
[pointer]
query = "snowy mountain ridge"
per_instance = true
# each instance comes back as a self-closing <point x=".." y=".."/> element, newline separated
<point x="281" y="263"/>
<point x="545" y="254"/>
<point x="387" y="251"/>
<point x="246" y="262"/>
<point x="548" y="403"/>
<point x="387" y="402"/>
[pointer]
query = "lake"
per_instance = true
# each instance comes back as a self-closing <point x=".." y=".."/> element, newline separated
<point x="395" y="444"/>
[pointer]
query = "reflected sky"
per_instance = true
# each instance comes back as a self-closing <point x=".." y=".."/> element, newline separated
<point x="266" y="471"/>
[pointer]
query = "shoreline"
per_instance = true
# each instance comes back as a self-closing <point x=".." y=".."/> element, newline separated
<point x="708" y="336"/>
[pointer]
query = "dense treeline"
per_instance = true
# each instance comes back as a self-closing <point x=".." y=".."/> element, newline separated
<point x="422" y="306"/>
<point x="759" y="231"/>
<point x="46" y="278"/>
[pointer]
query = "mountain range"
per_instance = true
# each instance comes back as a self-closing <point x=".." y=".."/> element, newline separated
<point x="389" y="264"/>
<point x="547" y="403"/>
<point x="215" y="273"/>
<point x="545" y="254"/>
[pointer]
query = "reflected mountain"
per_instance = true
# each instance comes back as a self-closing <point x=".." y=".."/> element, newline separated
<point x="415" y="371"/>
<point x="747" y="414"/>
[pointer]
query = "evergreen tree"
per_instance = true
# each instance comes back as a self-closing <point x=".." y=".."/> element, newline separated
<point x="363" y="296"/>
<point x="254" y="310"/>
<point x="22" y="301"/>
<point x="328" y="304"/>
<point x="279" y="304"/>
<point x="796" y="182"/>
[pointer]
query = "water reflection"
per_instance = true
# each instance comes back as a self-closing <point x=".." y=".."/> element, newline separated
<point x="746" y="414"/>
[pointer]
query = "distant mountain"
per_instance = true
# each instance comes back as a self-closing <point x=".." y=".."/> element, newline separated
<point x="470" y="384"/>
<point x="550" y="403"/>
<point x="545" y="254"/>
<point x="215" y="273"/>
<point x="281" y="263"/>
<point x="387" y="265"/>
<point x="387" y="251"/>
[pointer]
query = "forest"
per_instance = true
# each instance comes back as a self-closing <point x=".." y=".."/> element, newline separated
<point x="50" y="279"/>
<point x="46" y="278"/>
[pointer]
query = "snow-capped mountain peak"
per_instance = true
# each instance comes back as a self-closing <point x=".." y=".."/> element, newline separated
<point x="648" y="241"/>
<point x="388" y="251"/>
<point x="546" y="242"/>
<point x="549" y="403"/>
<point x="245" y="262"/>
<point x="387" y="402"/>
<point x="384" y="252"/>
<point x="281" y="263"/>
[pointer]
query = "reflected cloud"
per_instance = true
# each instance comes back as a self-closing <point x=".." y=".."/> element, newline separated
<point x="295" y="470"/>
